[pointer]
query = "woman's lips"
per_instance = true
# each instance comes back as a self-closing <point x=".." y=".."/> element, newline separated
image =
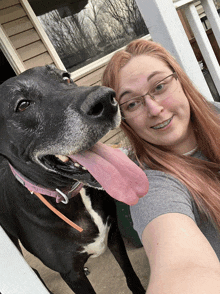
<point x="163" y="124"/>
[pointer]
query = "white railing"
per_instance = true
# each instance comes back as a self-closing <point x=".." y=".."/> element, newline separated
<point x="165" y="27"/>
<point x="201" y="36"/>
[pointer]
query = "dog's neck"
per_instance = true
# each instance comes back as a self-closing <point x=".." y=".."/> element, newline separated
<point x="33" y="187"/>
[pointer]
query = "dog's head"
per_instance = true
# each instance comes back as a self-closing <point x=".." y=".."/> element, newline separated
<point x="43" y="114"/>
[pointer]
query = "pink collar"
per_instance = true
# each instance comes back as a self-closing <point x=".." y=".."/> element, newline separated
<point x="59" y="195"/>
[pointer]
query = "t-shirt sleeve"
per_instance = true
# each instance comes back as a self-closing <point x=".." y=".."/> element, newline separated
<point x="166" y="195"/>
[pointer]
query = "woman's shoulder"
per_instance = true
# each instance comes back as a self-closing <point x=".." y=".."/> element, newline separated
<point x="166" y="194"/>
<point x="161" y="179"/>
<point x="165" y="188"/>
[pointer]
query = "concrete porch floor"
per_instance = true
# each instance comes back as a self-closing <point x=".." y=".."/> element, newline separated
<point x="105" y="274"/>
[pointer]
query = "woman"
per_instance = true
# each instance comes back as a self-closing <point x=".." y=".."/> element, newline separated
<point x="175" y="136"/>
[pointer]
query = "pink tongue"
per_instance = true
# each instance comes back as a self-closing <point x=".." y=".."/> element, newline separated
<point x="117" y="174"/>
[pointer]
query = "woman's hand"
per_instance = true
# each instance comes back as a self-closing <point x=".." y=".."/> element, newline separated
<point x="181" y="259"/>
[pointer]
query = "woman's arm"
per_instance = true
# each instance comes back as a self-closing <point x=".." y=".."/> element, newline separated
<point x="181" y="259"/>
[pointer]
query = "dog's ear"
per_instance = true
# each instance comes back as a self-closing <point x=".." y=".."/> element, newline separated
<point x="64" y="74"/>
<point x="50" y="67"/>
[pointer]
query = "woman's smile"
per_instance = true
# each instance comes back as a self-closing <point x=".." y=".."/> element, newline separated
<point x="162" y="125"/>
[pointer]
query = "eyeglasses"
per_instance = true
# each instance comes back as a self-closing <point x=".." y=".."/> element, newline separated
<point x="158" y="92"/>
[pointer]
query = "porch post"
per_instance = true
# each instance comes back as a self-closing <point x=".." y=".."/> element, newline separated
<point x="213" y="17"/>
<point x="17" y="277"/>
<point x="204" y="44"/>
<point x="165" y="27"/>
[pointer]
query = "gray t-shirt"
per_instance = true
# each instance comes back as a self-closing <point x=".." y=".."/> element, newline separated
<point x="168" y="195"/>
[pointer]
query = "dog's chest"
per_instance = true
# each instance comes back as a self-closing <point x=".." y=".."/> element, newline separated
<point x="100" y="243"/>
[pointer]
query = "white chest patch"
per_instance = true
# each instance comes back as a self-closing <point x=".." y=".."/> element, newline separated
<point x="100" y="243"/>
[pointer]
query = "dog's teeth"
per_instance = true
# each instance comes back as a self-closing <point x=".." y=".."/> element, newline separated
<point x="62" y="158"/>
<point x="76" y="164"/>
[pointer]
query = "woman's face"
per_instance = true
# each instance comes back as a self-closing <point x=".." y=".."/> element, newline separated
<point x="166" y="122"/>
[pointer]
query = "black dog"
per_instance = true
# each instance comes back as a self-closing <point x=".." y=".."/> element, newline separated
<point x="43" y="113"/>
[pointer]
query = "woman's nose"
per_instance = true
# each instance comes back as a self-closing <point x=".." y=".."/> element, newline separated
<point x="153" y="107"/>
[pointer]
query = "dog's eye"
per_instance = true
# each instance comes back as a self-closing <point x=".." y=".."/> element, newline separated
<point x="66" y="77"/>
<point x="23" y="105"/>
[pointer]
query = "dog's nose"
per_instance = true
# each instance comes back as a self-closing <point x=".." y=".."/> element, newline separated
<point x="100" y="102"/>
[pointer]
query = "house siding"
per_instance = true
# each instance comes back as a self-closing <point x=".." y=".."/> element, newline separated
<point x="22" y="34"/>
<point x="27" y="38"/>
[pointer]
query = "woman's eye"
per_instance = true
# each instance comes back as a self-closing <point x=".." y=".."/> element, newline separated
<point x="131" y="106"/>
<point x="23" y="105"/>
<point x="157" y="89"/>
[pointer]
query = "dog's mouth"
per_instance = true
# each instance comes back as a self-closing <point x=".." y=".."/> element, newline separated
<point x="102" y="167"/>
<point x="60" y="163"/>
<point x="69" y="168"/>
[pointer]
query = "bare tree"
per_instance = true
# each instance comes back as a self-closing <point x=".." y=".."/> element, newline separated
<point x="127" y="14"/>
<point x="68" y="36"/>
<point x="100" y="29"/>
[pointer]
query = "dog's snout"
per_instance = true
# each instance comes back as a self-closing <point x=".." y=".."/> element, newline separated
<point x="100" y="103"/>
<point x="107" y="100"/>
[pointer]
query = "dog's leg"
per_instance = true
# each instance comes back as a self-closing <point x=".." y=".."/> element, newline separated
<point x="78" y="282"/>
<point x="76" y="279"/>
<point x="117" y="247"/>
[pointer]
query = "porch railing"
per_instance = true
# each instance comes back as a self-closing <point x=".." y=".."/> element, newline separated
<point x="201" y="36"/>
<point x="165" y="27"/>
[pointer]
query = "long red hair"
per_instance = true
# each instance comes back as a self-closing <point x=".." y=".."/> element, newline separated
<point x="201" y="177"/>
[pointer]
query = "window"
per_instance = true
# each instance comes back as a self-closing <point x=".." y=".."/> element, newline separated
<point x="100" y="28"/>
